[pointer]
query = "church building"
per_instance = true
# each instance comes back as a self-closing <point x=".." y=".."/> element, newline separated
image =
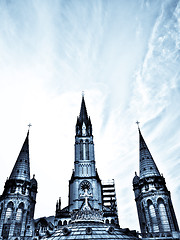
<point x="91" y="212"/>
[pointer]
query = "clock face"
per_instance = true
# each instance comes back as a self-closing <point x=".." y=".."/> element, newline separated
<point x="85" y="185"/>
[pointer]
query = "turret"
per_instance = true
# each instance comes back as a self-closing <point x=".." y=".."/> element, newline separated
<point x="19" y="198"/>
<point x="153" y="200"/>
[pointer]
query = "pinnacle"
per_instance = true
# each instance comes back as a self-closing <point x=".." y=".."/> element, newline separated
<point x="83" y="116"/>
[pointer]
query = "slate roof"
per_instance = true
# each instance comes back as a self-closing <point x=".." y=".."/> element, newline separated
<point x="91" y="230"/>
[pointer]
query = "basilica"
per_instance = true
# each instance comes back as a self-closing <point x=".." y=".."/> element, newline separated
<point x="91" y="212"/>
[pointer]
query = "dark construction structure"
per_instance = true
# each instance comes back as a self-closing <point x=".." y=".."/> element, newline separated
<point x="91" y="212"/>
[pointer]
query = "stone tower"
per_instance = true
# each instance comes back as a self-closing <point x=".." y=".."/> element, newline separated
<point x="86" y="190"/>
<point x="85" y="176"/>
<point x="155" y="210"/>
<point x="17" y="203"/>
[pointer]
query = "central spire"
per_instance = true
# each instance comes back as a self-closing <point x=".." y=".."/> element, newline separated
<point x="83" y="125"/>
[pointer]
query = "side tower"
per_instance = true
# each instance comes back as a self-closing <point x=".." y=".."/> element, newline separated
<point x="17" y="203"/>
<point x="155" y="210"/>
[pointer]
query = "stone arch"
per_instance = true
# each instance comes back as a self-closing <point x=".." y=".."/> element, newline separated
<point x="9" y="212"/>
<point x="59" y="223"/>
<point x="81" y="149"/>
<point x="19" y="219"/>
<point x="87" y="149"/>
<point x="19" y="213"/>
<point x="153" y="217"/>
<point x="163" y="215"/>
<point x="112" y="221"/>
<point x="107" y="221"/>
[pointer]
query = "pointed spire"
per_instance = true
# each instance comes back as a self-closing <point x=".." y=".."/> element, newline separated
<point x="147" y="165"/>
<point x="83" y="124"/>
<point x="21" y="170"/>
<point x="83" y="116"/>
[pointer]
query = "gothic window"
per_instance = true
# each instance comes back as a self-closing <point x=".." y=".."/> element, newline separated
<point x="87" y="149"/>
<point x="9" y="211"/>
<point x="107" y="221"/>
<point x="19" y="215"/>
<point x="19" y="218"/>
<point x="153" y="218"/>
<point x="112" y="221"/>
<point x="65" y="222"/>
<point x="13" y="189"/>
<point x="163" y="216"/>
<point x="81" y="150"/>
<point x="60" y="223"/>
<point x="19" y="212"/>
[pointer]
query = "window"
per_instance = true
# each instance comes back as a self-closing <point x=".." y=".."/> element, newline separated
<point x="19" y="215"/>
<point x="153" y="218"/>
<point x="87" y="150"/>
<point x="9" y="211"/>
<point x="81" y="150"/>
<point x="163" y="216"/>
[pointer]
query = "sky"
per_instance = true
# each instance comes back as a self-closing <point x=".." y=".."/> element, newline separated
<point x="125" y="56"/>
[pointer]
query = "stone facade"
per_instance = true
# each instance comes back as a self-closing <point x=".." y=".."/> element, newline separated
<point x="85" y="184"/>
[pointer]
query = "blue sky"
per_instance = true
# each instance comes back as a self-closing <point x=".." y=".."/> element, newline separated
<point x="125" y="56"/>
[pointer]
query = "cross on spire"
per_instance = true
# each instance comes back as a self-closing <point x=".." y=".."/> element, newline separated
<point x="29" y="125"/>
<point x="138" y="123"/>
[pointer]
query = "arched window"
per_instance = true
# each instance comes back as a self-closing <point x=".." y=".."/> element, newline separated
<point x="19" y="213"/>
<point x="9" y="211"/>
<point x="60" y="223"/>
<point x="81" y="150"/>
<point x="153" y="218"/>
<point x="65" y="222"/>
<point x="163" y="215"/>
<point x="87" y="149"/>
<point x="107" y="221"/>
<point x="112" y="221"/>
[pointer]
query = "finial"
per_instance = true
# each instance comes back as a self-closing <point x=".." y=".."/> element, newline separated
<point x="82" y="93"/>
<point x="138" y="123"/>
<point x="29" y="125"/>
<point x="33" y="175"/>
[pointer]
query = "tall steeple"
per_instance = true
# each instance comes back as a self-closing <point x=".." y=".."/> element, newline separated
<point x="21" y="170"/>
<point x="147" y="166"/>
<point x="153" y="200"/>
<point x="19" y="199"/>
<point x="85" y="176"/>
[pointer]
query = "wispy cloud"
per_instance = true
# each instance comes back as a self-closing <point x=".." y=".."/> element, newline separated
<point x="124" y="55"/>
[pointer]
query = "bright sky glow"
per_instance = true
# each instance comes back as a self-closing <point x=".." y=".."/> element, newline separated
<point x="125" y="56"/>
